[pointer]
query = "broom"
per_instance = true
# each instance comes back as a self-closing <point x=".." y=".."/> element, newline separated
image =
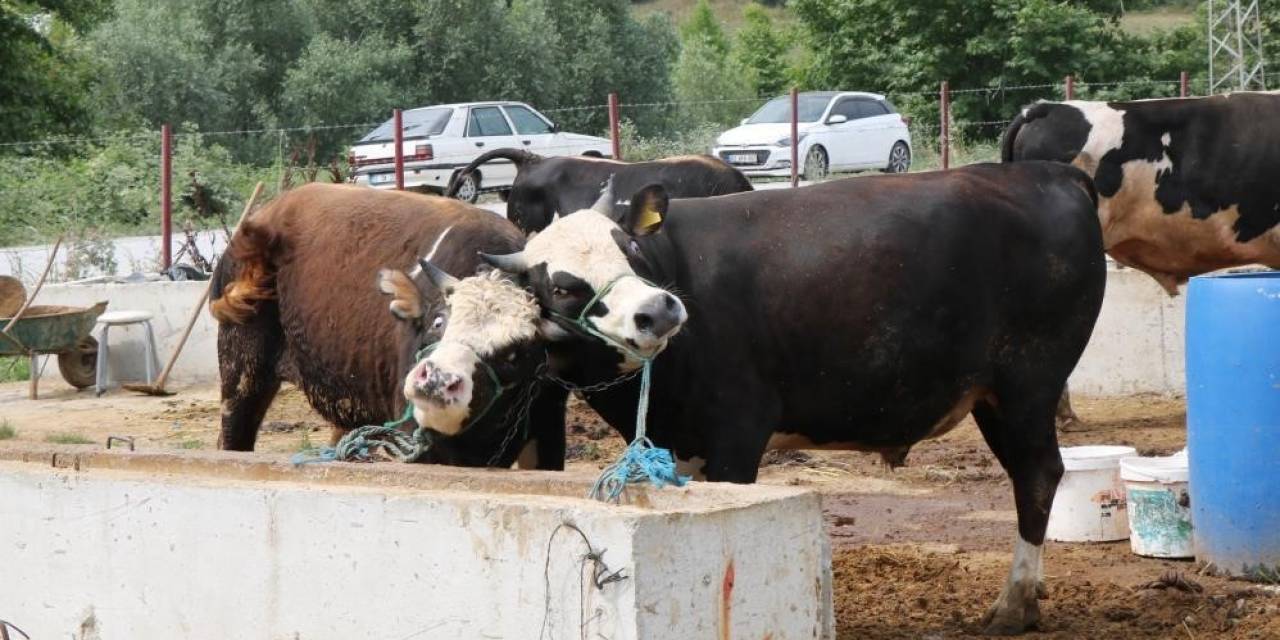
<point x="157" y="389"/>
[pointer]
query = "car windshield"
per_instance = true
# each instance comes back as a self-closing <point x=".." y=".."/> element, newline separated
<point x="779" y="109"/>
<point x="419" y="122"/>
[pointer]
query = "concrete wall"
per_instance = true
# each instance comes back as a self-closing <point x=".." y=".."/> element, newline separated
<point x="171" y="303"/>
<point x="218" y="545"/>
<point x="1138" y="344"/>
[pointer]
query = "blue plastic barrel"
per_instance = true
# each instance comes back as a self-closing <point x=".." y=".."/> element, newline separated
<point x="1233" y="421"/>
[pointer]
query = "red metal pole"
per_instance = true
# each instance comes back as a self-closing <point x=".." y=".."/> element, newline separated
<point x="397" y="123"/>
<point x="614" y="136"/>
<point x="795" y="137"/>
<point x="166" y="194"/>
<point x="946" y="125"/>
<point x="1070" y="90"/>
<point x="1182" y="84"/>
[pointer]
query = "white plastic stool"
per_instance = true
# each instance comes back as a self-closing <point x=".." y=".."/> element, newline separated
<point x="124" y="318"/>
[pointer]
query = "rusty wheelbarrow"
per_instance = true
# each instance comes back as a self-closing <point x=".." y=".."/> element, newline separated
<point x="62" y="331"/>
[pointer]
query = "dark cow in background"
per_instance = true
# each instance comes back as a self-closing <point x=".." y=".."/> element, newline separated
<point x="866" y="313"/>
<point x="1185" y="186"/>
<point x="298" y="299"/>
<point x="545" y="187"/>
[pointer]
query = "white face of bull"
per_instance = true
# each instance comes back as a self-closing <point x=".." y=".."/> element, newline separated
<point x="588" y="273"/>
<point x="486" y="324"/>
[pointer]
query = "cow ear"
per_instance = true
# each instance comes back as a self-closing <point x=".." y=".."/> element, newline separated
<point x="647" y="212"/>
<point x="406" y="299"/>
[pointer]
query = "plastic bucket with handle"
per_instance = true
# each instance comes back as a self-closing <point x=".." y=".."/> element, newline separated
<point x="1159" y="506"/>
<point x="1090" y="504"/>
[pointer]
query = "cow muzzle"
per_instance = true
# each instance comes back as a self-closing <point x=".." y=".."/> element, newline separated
<point x="438" y="386"/>
<point x="659" y="317"/>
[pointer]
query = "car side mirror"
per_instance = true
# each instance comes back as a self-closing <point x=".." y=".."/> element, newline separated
<point x="555" y="128"/>
<point x="837" y="119"/>
<point x="744" y="121"/>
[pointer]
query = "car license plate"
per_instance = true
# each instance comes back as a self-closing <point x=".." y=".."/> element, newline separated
<point x="742" y="158"/>
<point x="381" y="178"/>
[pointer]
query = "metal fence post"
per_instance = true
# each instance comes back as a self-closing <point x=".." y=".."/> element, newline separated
<point x="1069" y="89"/>
<point x="166" y="195"/>
<point x="397" y="123"/>
<point x="1182" y="84"/>
<point x="945" y="141"/>
<point x="795" y="135"/>
<point x="614" y="135"/>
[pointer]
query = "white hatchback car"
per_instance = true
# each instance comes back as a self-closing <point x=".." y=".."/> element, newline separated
<point x="441" y="139"/>
<point x="838" y="131"/>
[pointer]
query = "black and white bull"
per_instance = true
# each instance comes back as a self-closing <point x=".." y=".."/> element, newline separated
<point x="867" y="313"/>
<point x="1185" y="186"/>
<point x="297" y="299"/>
<point x="547" y="187"/>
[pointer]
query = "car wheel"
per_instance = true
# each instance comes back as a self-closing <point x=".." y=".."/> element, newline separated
<point x="899" y="158"/>
<point x="469" y="190"/>
<point x="815" y="164"/>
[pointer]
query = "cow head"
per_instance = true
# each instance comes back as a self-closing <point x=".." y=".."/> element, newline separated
<point x="468" y="349"/>
<point x="587" y="269"/>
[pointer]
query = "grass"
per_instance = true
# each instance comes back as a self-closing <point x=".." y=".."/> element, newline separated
<point x="67" y="438"/>
<point x="7" y="432"/>
<point x="14" y="368"/>
<point x="191" y="443"/>
<point x="729" y="12"/>
<point x="1141" y="23"/>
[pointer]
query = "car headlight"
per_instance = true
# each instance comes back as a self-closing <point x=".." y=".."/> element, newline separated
<point x="785" y="141"/>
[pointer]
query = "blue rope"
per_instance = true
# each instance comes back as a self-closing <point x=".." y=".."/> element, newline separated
<point x="362" y="444"/>
<point x="641" y="461"/>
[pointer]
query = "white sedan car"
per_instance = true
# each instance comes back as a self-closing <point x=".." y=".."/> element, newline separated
<point x="838" y="131"/>
<point x="441" y="139"/>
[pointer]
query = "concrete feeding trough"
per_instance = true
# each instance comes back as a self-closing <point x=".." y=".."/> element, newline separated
<point x="214" y="544"/>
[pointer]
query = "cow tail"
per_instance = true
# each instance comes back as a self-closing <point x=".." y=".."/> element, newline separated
<point x="1034" y="112"/>
<point x="520" y="157"/>
<point x="245" y="275"/>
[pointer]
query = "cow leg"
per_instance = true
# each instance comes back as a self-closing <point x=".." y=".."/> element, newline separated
<point x="545" y="449"/>
<point x="1066" y="416"/>
<point x="1021" y="434"/>
<point x="740" y="437"/>
<point x="248" y="360"/>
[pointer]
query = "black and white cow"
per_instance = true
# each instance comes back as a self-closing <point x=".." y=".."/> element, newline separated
<point x="1185" y="186"/>
<point x="546" y="187"/>
<point x="867" y="313"/>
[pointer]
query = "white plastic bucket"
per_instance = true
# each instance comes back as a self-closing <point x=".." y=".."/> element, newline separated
<point x="1090" y="503"/>
<point x="1159" y="505"/>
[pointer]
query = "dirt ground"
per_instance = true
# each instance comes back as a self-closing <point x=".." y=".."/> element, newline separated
<point x="919" y="552"/>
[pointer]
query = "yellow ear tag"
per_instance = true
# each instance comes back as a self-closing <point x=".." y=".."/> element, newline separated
<point x="649" y="218"/>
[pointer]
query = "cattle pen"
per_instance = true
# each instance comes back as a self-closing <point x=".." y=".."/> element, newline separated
<point x="169" y="537"/>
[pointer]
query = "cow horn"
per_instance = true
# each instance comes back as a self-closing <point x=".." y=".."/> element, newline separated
<point x="442" y="281"/>
<point x="604" y="205"/>
<point x="513" y="263"/>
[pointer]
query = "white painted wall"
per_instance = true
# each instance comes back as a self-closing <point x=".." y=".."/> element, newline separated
<point x="1138" y="344"/>
<point x="171" y="303"/>
<point x="170" y="552"/>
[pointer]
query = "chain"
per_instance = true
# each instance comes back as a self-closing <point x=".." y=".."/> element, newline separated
<point x="522" y="406"/>
<point x="591" y="388"/>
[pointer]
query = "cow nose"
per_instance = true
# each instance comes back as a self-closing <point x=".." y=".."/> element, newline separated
<point x="438" y="385"/>
<point x="659" y="316"/>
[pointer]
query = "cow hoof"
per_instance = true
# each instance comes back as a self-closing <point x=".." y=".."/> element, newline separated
<point x="1009" y="619"/>
<point x="1042" y="591"/>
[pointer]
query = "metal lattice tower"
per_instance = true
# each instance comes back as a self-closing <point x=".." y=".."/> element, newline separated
<point x="1235" y="46"/>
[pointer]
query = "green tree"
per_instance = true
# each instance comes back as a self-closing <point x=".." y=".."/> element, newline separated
<point x="710" y="85"/>
<point x="761" y="50"/>
<point x="337" y="82"/>
<point x="42" y="67"/>
<point x="904" y="48"/>
<point x="702" y="26"/>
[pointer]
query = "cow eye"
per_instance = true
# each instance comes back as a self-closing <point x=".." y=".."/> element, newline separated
<point x="559" y="292"/>
<point x="438" y="323"/>
<point x="511" y="357"/>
